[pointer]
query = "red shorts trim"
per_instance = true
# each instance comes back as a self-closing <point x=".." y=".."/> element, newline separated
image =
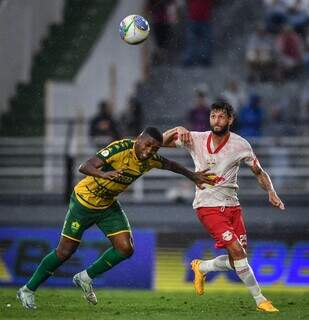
<point x="224" y="224"/>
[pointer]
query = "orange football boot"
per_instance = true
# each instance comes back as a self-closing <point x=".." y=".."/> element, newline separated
<point x="199" y="277"/>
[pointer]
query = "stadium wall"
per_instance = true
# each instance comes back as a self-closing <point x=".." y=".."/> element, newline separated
<point x="262" y="221"/>
<point x="23" y="24"/>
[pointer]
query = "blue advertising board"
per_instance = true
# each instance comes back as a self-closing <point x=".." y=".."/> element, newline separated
<point x="272" y="262"/>
<point x="23" y="248"/>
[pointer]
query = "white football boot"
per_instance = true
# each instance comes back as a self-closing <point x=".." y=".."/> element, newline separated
<point x="26" y="297"/>
<point x="87" y="288"/>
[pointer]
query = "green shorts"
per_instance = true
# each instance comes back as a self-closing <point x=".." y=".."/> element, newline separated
<point x="111" y="221"/>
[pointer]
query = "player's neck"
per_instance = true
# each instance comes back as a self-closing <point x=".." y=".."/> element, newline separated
<point x="217" y="140"/>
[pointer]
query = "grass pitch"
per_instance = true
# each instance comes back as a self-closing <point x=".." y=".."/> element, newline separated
<point x="118" y="305"/>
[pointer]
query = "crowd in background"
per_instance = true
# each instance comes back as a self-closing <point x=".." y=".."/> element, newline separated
<point x="104" y="127"/>
<point x="253" y="116"/>
<point x="182" y="25"/>
<point x="276" y="52"/>
<point x="279" y="47"/>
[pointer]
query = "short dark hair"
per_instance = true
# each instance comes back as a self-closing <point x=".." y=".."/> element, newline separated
<point x="224" y="106"/>
<point x="154" y="133"/>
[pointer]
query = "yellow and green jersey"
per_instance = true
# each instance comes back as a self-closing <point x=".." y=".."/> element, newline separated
<point x="98" y="193"/>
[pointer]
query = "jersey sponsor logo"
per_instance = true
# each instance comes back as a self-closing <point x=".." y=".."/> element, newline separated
<point x="216" y="179"/>
<point x="227" y="235"/>
<point x="75" y="226"/>
<point x="124" y="179"/>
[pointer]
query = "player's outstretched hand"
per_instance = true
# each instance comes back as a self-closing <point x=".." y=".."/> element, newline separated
<point x="112" y="174"/>
<point x="201" y="178"/>
<point x="275" y="200"/>
<point x="184" y="136"/>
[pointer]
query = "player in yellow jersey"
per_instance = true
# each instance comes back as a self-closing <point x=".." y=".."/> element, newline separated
<point x="93" y="201"/>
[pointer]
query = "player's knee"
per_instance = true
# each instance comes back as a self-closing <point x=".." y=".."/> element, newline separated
<point x="64" y="253"/>
<point x="239" y="253"/>
<point x="126" y="249"/>
<point x="236" y="251"/>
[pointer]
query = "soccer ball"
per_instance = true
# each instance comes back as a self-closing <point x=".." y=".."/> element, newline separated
<point x="134" y="29"/>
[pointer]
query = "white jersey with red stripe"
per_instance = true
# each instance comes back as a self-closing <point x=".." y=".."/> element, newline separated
<point x="223" y="161"/>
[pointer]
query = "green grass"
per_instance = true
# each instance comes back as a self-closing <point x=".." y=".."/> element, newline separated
<point x="116" y="304"/>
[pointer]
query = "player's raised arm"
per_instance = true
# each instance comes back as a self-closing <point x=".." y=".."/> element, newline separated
<point x="265" y="182"/>
<point x="200" y="178"/>
<point x="92" y="168"/>
<point x="176" y="136"/>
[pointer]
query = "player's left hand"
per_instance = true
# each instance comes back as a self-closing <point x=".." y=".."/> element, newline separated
<point x="275" y="200"/>
<point x="203" y="177"/>
<point x="184" y="136"/>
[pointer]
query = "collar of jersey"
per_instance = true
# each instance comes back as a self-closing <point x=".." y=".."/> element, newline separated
<point x="219" y="147"/>
<point x="134" y="154"/>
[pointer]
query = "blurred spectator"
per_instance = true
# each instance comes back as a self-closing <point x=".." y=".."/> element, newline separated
<point x="305" y="5"/>
<point x="276" y="116"/>
<point x="283" y="116"/>
<point x="163" y="17"/>
<point x="297" y="16"/>
<point x="132" y="119"/>
<point x="260" y="55"/>
<point x="234" y="95"/>
<point x="276" y="14"/>
<point x="304" y="106"/>
<point x="103" y="127"/>
<point x="306" y="50"/>
<point x="198" y="116"/>
<point x="198" y="48"/>
<point x="290" y="52"/>
<point x="251" y="117"/>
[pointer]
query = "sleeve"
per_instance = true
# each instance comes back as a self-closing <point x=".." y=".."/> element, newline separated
<point x="104" y="155"/>
<point x="248" y="156"/>
<point x="156" y="161"/>
<point x="107" y="154"/>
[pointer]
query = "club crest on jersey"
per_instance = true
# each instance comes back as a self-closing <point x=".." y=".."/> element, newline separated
<point x="75" y="226"/>
<point x="211" y="162"/>
<point x="227" y="235"/>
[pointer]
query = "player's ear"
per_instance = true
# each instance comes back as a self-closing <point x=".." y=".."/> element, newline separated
<point x="231" y="120"/>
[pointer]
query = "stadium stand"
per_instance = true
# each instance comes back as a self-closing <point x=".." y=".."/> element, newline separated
<point x="166" y="97"/>
<point x="62" y="54"/>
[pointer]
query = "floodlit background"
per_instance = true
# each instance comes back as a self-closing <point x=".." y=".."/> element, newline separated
<point x="69" y="85"/>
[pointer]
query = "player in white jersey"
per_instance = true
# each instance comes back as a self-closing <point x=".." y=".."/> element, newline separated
<point x="217" y="206"/>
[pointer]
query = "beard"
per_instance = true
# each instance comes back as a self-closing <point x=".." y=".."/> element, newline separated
<point x="221" y="132"/>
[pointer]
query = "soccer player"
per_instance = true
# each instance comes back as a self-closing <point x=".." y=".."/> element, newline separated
<point x="217" y="206"/>
<point x="93" y="201"/>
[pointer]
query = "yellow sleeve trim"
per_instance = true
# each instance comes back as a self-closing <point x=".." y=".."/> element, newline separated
<point x="118" y="232"/>
<point x="64" y="235"/>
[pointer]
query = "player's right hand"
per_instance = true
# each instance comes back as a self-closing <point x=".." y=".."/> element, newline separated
<point x="112" y="174"/>
<point x="275" y="200"/>
<point x="203" y="178"/>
